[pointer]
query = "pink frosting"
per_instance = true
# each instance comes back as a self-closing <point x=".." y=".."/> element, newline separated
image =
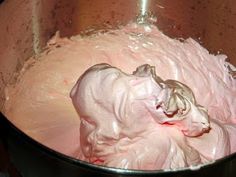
<point x="169" y="124"/>
<point x="122" y="114"/>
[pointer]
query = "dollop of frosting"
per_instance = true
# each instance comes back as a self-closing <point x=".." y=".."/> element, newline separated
<point x="120" y="110"/>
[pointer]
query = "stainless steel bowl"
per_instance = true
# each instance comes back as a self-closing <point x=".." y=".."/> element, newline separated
<point x="26" y="25"/>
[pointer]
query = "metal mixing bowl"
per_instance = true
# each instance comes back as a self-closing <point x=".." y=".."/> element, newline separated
<point x="26" y="25"/>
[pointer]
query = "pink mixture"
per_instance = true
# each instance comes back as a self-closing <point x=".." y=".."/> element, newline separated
<point x="157" y="103"/>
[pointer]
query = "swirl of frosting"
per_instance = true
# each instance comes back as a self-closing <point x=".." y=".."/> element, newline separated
<point x="116" y="109"/>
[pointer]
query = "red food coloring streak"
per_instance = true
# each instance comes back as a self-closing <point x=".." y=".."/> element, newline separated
<point x="167" y="124"/>
<point x="98" y="161"/>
